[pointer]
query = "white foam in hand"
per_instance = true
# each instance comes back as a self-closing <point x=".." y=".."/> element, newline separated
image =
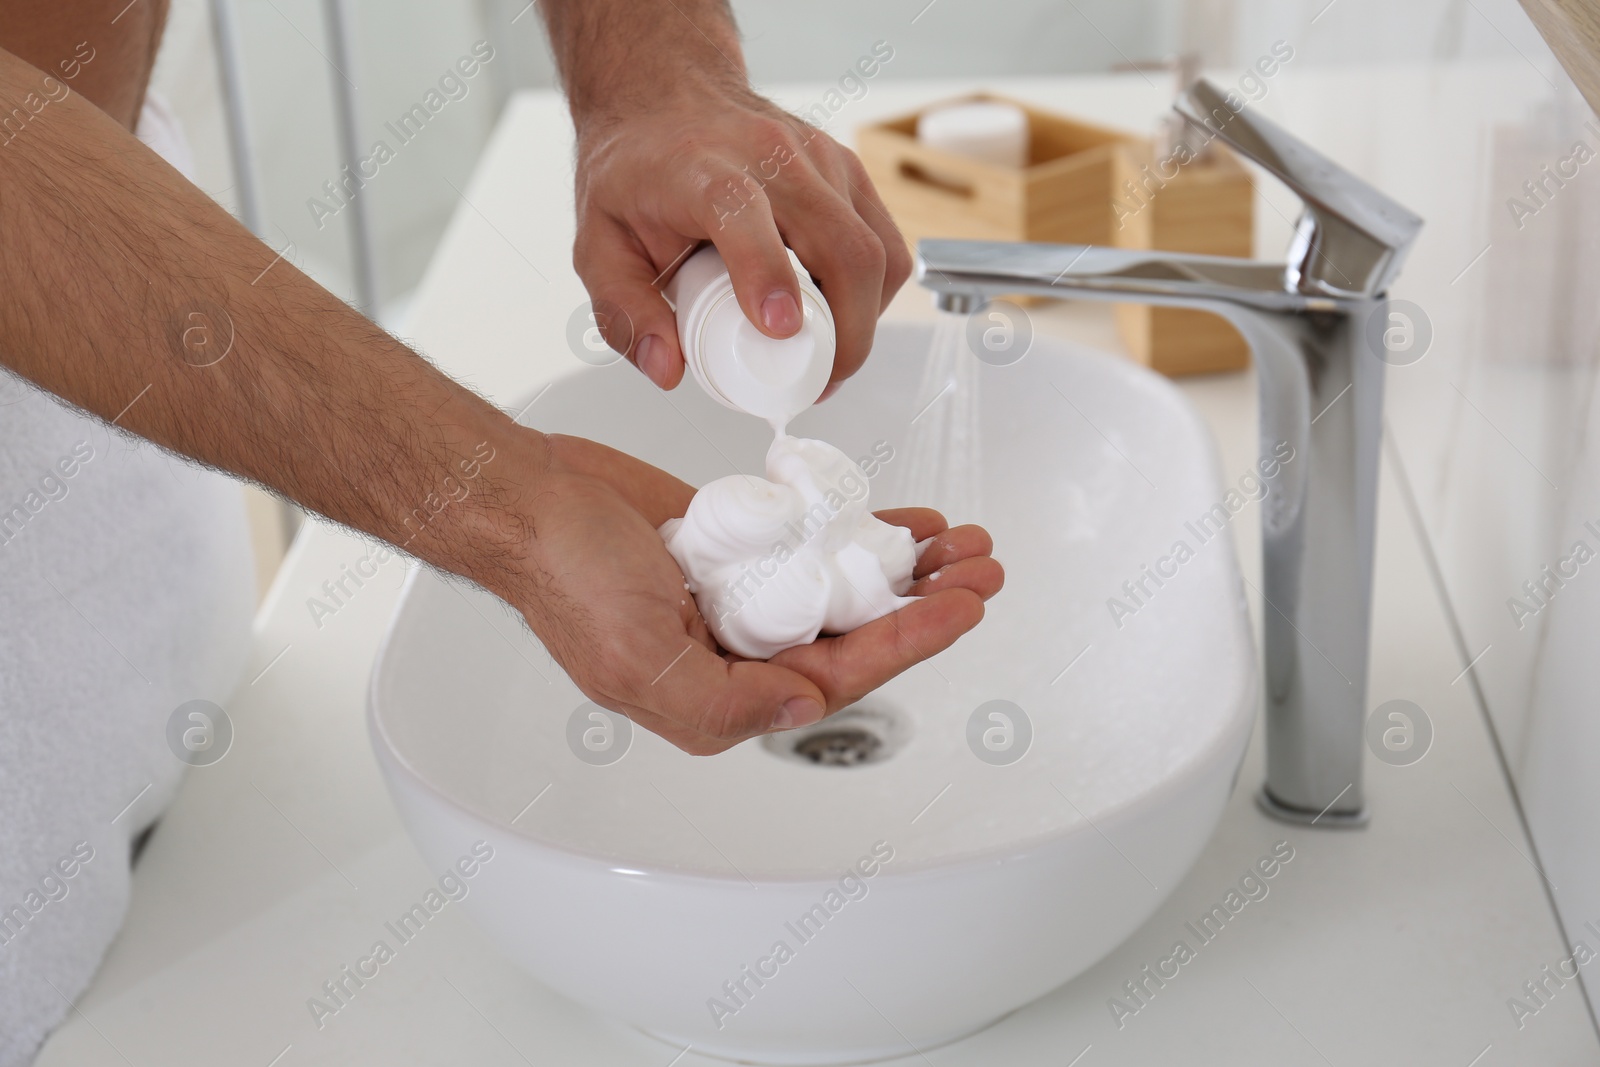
<point x="773" y="562"/>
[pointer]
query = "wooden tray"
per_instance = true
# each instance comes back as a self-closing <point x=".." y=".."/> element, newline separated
<point x="1202" y="207"/>
<point x="1061" y="195"/>
<point x="1084" y="184"/>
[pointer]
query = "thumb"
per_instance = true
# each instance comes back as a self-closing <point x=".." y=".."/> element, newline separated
<point x="729" y="702"/>
<point x="635" y="318"/>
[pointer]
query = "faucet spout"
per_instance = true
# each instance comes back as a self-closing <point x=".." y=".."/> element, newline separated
<point x="965" y="273"/>
<point x="1309" y="324"/>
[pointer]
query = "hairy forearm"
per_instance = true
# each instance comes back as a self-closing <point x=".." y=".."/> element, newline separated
<point x="620" y="56"/>
<point x="132" y="295"/>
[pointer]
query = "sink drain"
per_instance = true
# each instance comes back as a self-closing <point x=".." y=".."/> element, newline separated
<point x="854" y="737"/>
<point x="844" y="747"/>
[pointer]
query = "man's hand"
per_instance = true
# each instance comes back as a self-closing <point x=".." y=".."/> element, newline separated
<point x="609" y="603"/>
<point x="674" y="148"/>
<point x="117" y="275"/>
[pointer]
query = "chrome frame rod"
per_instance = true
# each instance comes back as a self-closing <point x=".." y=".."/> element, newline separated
<point x="337" y="16"/>
<point x="241" y="151"/>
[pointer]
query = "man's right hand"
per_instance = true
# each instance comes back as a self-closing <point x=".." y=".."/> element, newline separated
<point x="674" y="148"/>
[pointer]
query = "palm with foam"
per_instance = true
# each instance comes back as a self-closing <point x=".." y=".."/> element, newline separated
<point x="611" y="605"/>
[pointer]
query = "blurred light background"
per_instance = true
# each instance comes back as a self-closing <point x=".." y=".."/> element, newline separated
<point x="399" y="48"/>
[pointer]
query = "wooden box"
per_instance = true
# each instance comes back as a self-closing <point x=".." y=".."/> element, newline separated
<point x="1084" y="184"/>
<point x="1061" y="196"/>
<point x="1205" y="207"/>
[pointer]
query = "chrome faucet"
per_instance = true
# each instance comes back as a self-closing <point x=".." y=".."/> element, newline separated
<point x="1315" y="326"/>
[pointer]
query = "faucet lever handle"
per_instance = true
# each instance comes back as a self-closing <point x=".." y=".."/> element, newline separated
<point x="1352" y="239"/>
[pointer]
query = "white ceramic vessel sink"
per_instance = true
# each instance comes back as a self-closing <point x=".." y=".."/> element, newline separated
<point x="659" y="887"/>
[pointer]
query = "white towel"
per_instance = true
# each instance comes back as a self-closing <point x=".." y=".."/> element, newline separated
<point x="126" y="589"/>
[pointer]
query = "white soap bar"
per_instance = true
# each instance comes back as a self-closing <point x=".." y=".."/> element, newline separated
<point x="984" y="130"/>
<point x="773" y="562"/>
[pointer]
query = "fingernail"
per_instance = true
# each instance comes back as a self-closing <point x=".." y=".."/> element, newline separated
<point x="780" y="314"/>
<point x="652" y="359"/>
<point x="797" y="712"/>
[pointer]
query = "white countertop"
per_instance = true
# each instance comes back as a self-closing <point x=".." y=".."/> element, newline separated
<point x="276" y="866"/>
